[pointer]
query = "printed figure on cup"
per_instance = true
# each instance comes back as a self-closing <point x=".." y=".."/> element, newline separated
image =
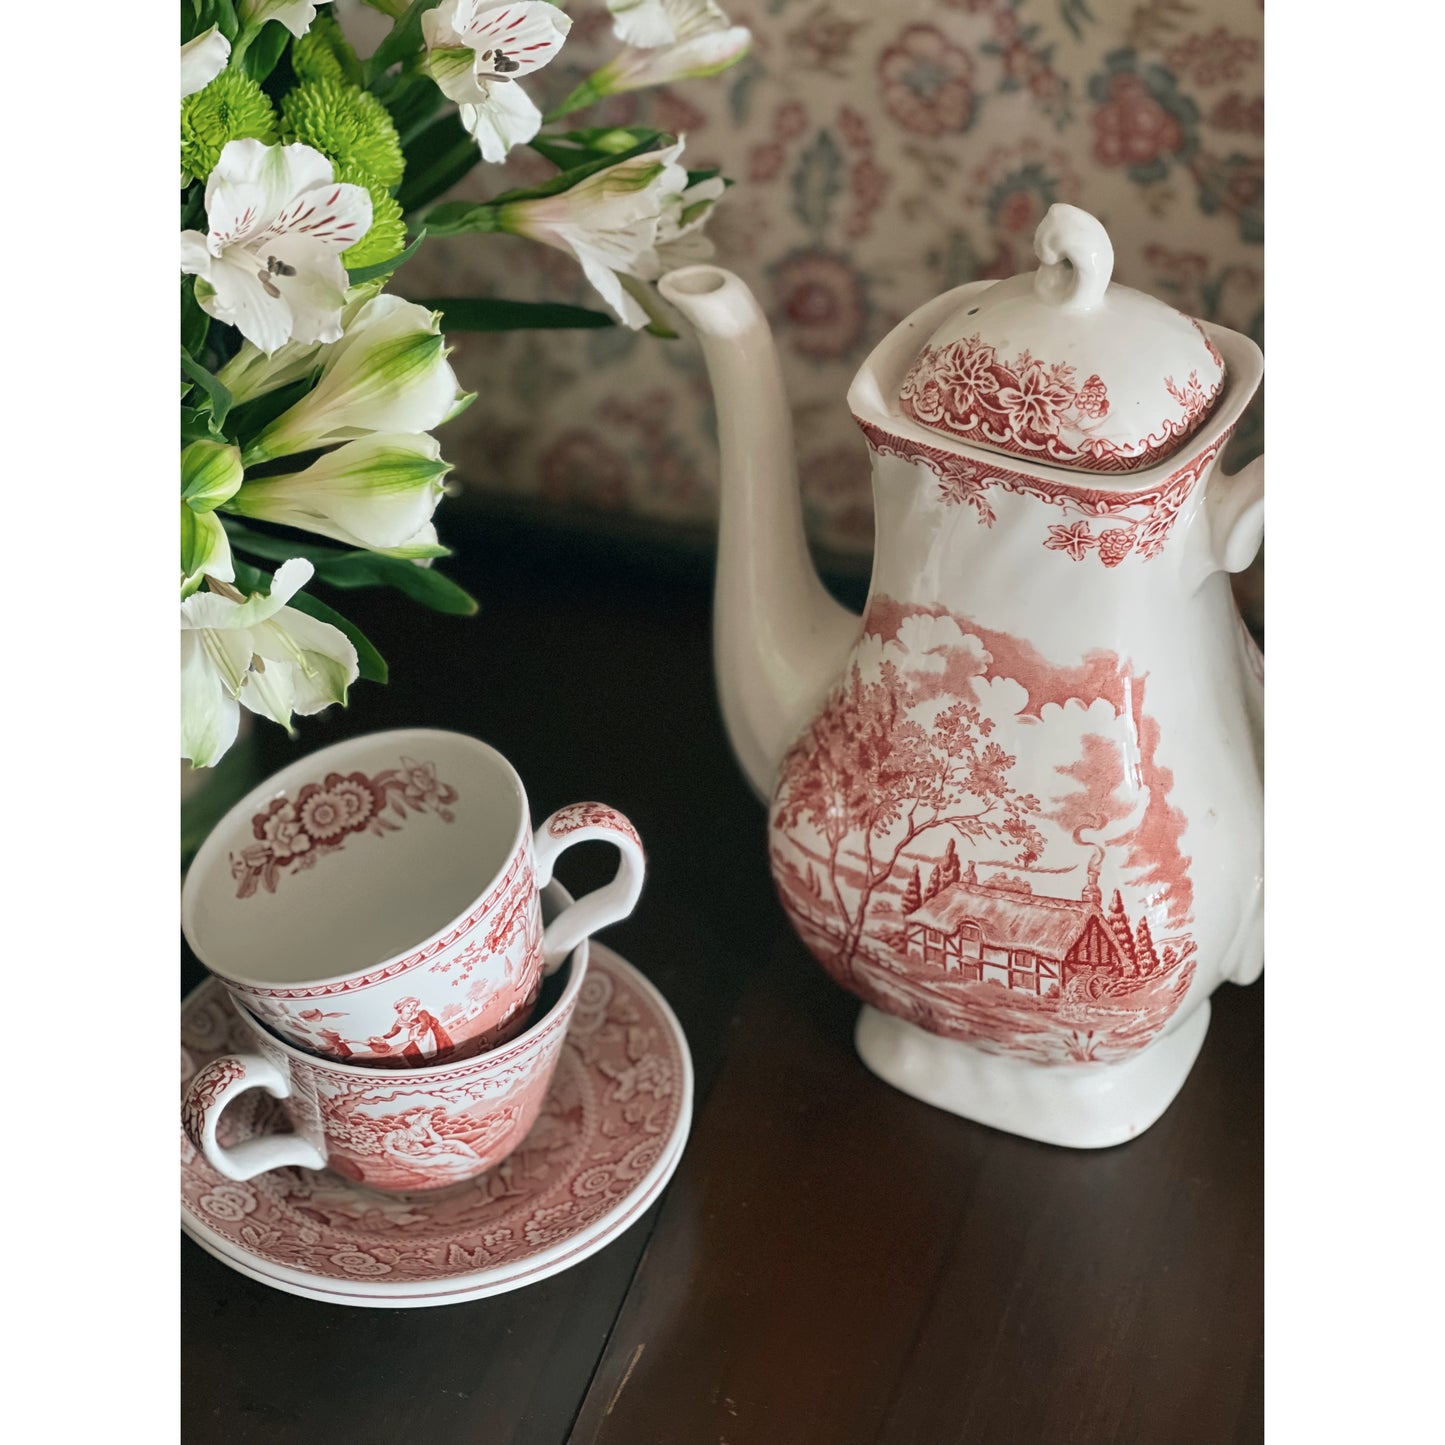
<point x="417" y="1024"/>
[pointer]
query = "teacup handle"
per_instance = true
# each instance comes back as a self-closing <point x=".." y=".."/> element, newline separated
<point x="212" y="1089"/>
<point x="608" y="904"/>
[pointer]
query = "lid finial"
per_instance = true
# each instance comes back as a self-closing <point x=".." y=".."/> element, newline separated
<point x="1076" y="256"/>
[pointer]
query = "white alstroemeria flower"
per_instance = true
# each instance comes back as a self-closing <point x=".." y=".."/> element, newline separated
<point x="305" y="665"/>
<point x="642" y="23"/>
<point x="271" y="263"/>
<point x="476" y="52"/>
<point x="667" y="41"/>
<point x="295" y="15"/>
<point x="680" y="241"/>
<point x="202" y="60"/>
<point x="388" y="373"/>
<point x="378" y="493"/>
<point x="609" y="222"/>
<point x="251" y="373"/>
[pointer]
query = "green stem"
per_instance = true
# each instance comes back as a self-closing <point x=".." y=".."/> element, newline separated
<point x="584" y="95"/>
<point x="658" y="320"/>
<point x="243" y="44"/>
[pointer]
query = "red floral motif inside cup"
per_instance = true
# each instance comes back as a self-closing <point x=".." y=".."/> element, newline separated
<point x="291" y="834"/>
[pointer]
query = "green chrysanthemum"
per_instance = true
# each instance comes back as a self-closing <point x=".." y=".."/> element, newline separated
<point x="387" y="235"/>
<point x="231" y="107"/>
<point x="347" y="124"/>
<point x="323" y="53"/>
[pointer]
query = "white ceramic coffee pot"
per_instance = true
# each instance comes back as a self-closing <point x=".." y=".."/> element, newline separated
<point x="1017" y="806"/>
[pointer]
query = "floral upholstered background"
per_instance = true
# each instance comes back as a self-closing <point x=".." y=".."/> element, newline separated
<point x="883" y="150"/>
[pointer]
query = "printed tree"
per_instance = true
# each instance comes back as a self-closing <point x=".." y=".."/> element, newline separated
<point x="868" y="775"/>
<point x="913" y="894"/>
<point x="1147" y="959"/>
<point x="1119" y="927"/>
<point x="935" y="883"/>
<point x="951" y="871"/>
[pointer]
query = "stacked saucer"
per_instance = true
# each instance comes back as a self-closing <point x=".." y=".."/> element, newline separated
<point x="610" y="1133"/>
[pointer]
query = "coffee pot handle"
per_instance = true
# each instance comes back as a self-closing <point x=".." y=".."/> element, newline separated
<point x="608" y="904"/>
<point x="214" y="1087"/>
<point x="1236" y="516"/>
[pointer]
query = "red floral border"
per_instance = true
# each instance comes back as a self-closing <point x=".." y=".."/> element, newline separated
<point x="1040" y="410"/>
<point x="590" y="815"/>
<point x="292" y="833"/>
<point x="969" y="480"/>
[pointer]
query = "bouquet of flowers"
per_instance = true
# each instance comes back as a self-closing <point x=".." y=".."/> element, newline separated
<point x="309" y="394"/>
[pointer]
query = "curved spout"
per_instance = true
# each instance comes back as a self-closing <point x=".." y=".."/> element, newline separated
<point x="779" y="639"/>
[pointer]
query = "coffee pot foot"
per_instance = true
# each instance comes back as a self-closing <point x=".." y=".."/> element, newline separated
<point x="1078" y="1106"/>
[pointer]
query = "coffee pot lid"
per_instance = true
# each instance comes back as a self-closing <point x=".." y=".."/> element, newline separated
<point x="1060" y="366"/>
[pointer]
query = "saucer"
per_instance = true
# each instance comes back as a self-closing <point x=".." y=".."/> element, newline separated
<point x="610" y="1134"/>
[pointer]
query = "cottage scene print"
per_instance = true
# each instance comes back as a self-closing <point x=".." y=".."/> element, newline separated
<point x="982" y="842"/>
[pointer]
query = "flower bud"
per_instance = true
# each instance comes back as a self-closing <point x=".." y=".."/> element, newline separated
<point x="388" y="373"/>
<point x="378" y="492"/>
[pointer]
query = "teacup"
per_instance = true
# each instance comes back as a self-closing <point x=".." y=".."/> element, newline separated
<point x="376" y="902"/>
<point x="427" y="1128"/>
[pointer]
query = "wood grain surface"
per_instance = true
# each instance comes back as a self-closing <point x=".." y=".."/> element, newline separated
<point x="833" y="1262"/>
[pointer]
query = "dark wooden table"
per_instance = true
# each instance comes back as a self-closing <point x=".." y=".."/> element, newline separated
<point x="833" y="1262"/>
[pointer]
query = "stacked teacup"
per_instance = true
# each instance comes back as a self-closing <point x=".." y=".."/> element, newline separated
<point x="376" y="912"/>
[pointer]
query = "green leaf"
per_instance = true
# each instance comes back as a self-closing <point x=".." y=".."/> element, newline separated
<point x="196" y="425"/>
<point x="369" y="661"/>
<point x="227" y="19"/>
<point x="280" y="549"/>
<point x="252" y="417"/>
<point x="193" y="206"/>
<point x="457" y="218"/>
<point x="385" y="268"/>
<point x="194" y="322"/>
<point x="583" y="147"/>
<point x="485" y="313"/>
<point x="355" y="569"/>
<point x="411" y="100"/>
<point x="265" y="50"/>
<point x="404" y="39"/>
<point x="422" y="584"/>
<point x="220" y="398"/>
<point x="206" y="13"/>
<point x="436" y="158"/>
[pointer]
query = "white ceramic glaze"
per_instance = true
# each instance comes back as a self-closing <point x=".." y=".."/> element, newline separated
<point x="1017" y="807"/>
<point x="1063" y="367"/>
<point x="397" y="1131"/>
<point x="377" y="901"/>
<point x="611" y="1131"/>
